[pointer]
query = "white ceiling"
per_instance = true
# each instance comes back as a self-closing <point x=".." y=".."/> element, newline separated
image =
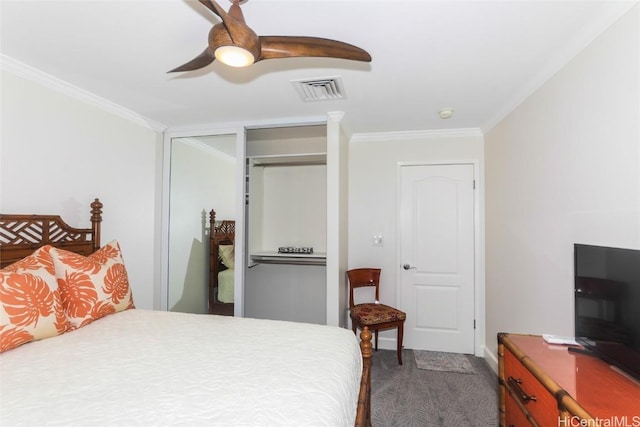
<point x="480" y="58"/>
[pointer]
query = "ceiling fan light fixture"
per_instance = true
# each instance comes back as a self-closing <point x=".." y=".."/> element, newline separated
<point x="234" y="43"/>
<point x="234" y="56"/>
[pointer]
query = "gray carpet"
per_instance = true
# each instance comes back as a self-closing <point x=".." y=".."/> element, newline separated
<point x="406" y="396"/>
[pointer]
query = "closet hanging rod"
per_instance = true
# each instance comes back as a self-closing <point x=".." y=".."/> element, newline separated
<point x="290" y="260"/>
<point x="291" y="164"/>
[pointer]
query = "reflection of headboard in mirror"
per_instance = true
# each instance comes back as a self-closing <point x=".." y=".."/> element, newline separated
<point x="21" y="235"/>
<point x="221" y="233"/>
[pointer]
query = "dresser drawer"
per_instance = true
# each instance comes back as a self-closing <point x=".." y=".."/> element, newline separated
<point x="526" y="389"/>
<point x="514" y="416"/>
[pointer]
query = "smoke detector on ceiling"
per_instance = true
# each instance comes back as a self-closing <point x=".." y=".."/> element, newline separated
<point x="445" y="113"/>
<point x="320" y="89"/>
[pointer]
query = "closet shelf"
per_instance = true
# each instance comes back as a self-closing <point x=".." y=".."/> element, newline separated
<point x="272" y="257"/>
<point x="290" y="159"/>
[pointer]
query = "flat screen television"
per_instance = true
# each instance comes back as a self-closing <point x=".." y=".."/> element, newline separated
<point x="607" y="304"/>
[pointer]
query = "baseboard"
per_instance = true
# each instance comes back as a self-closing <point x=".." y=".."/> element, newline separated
<point x="492" y="360"/>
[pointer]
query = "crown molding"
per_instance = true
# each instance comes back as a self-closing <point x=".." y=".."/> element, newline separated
<point x="416" y="135"/>
<point x="32" y="74"/>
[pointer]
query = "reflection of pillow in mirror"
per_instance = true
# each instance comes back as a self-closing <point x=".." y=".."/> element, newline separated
<point x="226" y="254"/>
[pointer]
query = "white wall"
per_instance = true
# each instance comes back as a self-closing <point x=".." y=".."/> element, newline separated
<point x="293" y="207"/>
<point x="58" y="153"/>
<point x="563" y="167"/>
<point x="373" y="181"/>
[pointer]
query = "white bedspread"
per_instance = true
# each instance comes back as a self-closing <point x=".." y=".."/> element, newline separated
<point x="153" y="368"/>
<point x="225" y="285"/>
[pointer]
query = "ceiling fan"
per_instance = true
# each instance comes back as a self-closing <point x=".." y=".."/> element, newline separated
<point x="232" y="42"/>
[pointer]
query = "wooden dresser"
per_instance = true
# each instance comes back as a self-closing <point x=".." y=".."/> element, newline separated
<point x="546" y="385"/>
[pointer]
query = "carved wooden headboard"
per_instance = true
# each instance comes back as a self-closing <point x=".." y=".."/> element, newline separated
<point x="222" y="232"/>
<point x="21" y="235"/>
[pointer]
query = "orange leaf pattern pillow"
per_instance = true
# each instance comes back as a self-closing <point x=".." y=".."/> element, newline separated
<point x="30" y="302"/>
<point x="94" y="286"/>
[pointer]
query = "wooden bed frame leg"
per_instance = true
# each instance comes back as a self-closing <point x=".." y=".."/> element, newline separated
<point x="96" y="219"/>
<point x="363" y="416"/>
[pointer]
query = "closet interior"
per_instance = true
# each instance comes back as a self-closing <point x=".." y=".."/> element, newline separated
<point x="286" y="224"/>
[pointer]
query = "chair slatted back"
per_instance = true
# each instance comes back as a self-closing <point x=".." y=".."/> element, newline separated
<point x="360" y="277"/>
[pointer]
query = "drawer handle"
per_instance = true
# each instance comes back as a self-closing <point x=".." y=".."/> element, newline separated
<point x="515" y="385"/>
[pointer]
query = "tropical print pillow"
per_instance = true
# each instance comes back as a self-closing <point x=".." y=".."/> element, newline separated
<point x="94" y="286"/>
<point x="30" y="304"/>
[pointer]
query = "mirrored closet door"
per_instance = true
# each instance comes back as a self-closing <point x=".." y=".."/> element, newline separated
<point x="202" y="178"/>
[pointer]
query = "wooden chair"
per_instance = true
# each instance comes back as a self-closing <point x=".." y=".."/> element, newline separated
<point x="375" y="316"/>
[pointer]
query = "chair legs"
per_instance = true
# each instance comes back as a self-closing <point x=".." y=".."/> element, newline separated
<point x="399" y="339"/>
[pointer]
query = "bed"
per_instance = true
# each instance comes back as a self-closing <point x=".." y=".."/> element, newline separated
<point x="143" y="367"/>
<point x="221" y="265"/>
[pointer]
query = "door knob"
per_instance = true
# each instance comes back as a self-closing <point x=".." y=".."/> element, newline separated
<point x="408" y="267"/>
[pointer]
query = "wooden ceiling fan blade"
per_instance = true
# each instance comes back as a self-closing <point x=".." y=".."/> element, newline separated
<point x="202" y="60"/>
<point x="290" y="46"/>
<point x="215" y="8"/>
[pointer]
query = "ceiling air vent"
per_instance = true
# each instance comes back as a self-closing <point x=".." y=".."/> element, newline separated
<point x="322" y="89"/>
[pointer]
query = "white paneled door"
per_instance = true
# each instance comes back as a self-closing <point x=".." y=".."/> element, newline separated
<point x="437" y="256"/>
